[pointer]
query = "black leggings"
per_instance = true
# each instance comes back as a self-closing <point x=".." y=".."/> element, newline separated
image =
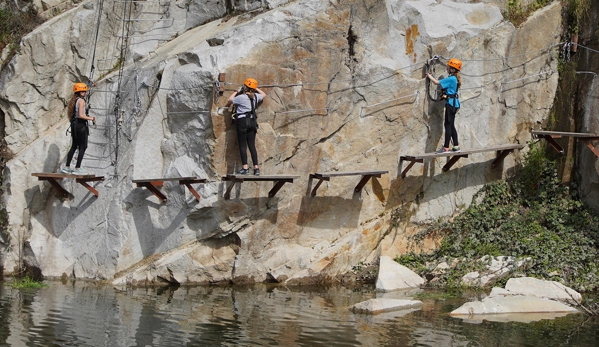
<point x="450" y="131"/>
<point x="79" y="142"/>
<point x="246" y="135"/>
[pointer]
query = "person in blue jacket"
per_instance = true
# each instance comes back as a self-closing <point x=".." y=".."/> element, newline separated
<point x="450" y="86"/>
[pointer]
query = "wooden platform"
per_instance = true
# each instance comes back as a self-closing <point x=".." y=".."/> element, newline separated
<point x="81" y="179"/>
<point x="152" y="185"/>
<point x="502" y="152"/>
<point x="326" y="176"/>
<point x="550" y="137"/>
<point x="279" y="179"/>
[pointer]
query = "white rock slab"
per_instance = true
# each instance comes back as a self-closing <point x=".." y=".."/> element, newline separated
<point x="542" y="289"/>
<point x="393" y="276"/>
<point x="511" y="317"/>
<point x="512" y="304"/>
<point x="374" y="306"/>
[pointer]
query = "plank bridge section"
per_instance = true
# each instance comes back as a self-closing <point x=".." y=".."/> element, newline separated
<point x="279" y="180"/>
<point x="502" y="152"/>
<point x="81" y="179"/>
<point x="550" y="137"/>
<point x="326" y="176"/>
<point x="152" y="185"/>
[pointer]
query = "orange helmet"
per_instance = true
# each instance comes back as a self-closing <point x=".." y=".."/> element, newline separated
<point x="455" y="63"/>
<point x="79" y="87"/>
<point x="251" y="83"/>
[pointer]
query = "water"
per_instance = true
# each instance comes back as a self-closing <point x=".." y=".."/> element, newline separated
<point x="84" y="314"/>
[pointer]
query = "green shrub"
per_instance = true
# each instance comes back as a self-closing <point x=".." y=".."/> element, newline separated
<point x="529" y="215"/>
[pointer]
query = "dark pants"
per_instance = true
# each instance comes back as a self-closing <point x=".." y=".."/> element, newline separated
<point x="246" y="136"/>
<point x="450" y="131"/>
<point x="79" y="135"/>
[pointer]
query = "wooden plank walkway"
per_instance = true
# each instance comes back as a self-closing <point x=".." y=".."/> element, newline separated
<point x="152" y="185"/>
<point x="550" y="137"/>
<point x="326" y="176"/>
<point x="279" y="179"/>
<point x="502" y="152"/>
<point x="53" y="178"/>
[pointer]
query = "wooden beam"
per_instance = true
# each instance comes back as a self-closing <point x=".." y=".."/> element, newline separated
<point x="320" y="180"/>
<point x="189" y="182"/>
<point x="152" y="187"/>
<point x="412" y="162"/>
<point x="81" y="179"/>
<point x="279" y="179"/>
<point x="453" y="160"/>
<point x="500" y="156"/>
<point x="363" y="182"/>
<point x="55" y="184"/>
<point x="83" y="182"/>
<point x="589" y="143"/>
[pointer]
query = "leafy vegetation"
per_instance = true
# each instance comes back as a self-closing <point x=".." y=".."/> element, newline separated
<point x="27" y="282"/>
<point x="529" y="215"/>
<point x="517" y="13"/>
<point x="14" y="24"/>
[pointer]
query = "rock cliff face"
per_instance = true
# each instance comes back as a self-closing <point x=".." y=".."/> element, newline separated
<point x="345" y="92"/>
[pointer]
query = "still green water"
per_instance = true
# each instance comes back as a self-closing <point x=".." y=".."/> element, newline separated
<point x="84" y="314"/>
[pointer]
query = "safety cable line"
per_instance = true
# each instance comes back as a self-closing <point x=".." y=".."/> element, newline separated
<point x="546" y="50"/>
<point x="550" y="72"/>
<point x="590" y="49"/>
<point x="122" y="58"/>
<point x="100" y="10"/>
<point x="388" y="101"/>
<point x="297" y="111"/>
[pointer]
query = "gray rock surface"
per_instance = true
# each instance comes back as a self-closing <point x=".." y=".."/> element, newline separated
<point x="157" y="117"/>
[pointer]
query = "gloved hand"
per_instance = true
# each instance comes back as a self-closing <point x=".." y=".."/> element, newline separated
<point x="240" y="91"/>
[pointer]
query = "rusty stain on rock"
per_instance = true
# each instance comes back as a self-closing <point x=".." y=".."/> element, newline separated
<point x="412" y="34"/>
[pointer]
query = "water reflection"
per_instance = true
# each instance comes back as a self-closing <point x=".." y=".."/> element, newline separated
<point x="84" y="314"/>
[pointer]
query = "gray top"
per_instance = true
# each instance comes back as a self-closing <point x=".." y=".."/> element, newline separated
<point x="243" y="103"/>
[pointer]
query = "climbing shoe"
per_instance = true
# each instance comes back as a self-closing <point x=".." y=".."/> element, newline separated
<point x="79" y="171"/>
<point x="442" y="150"/>
<point x="455" y="149"/>
<point x="66" y="170"/>
<point x="256" y="172"/>
<point x="243" y="172"/>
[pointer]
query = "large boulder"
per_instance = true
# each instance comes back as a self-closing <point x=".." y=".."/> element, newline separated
<point x="157" y="117"/>
<point x="543" y="289"/>
<point x="393" y="276"/>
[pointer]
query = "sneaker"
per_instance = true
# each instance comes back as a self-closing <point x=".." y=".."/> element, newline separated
<point x="243" y="172"/>
<point x="256" y="172"/>
<point x="66" y="170"/>
<point x="455" y="149"/>
<point x="442" y="150"/>
<point x="79" y="171"/>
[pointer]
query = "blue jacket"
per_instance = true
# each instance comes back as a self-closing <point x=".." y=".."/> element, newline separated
<point x="450" y="84"/>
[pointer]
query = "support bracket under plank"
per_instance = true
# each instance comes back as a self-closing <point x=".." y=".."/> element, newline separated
<point x="279" y="180"/>
<point x="550" y="137"/>
<point x="153" y="184"/>
<point x="326" y="176"/>
<point x="53" y="178"/>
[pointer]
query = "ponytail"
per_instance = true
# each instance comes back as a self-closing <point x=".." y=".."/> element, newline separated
<point x="457" y="75"/>
<point x="71" y="106"/>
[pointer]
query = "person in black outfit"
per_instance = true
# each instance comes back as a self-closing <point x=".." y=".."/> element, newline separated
<point x="79" y="128"/>
<point x="246" y="100"/>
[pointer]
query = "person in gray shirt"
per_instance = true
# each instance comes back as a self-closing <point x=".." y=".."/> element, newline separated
<point x="246" y="100"/>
